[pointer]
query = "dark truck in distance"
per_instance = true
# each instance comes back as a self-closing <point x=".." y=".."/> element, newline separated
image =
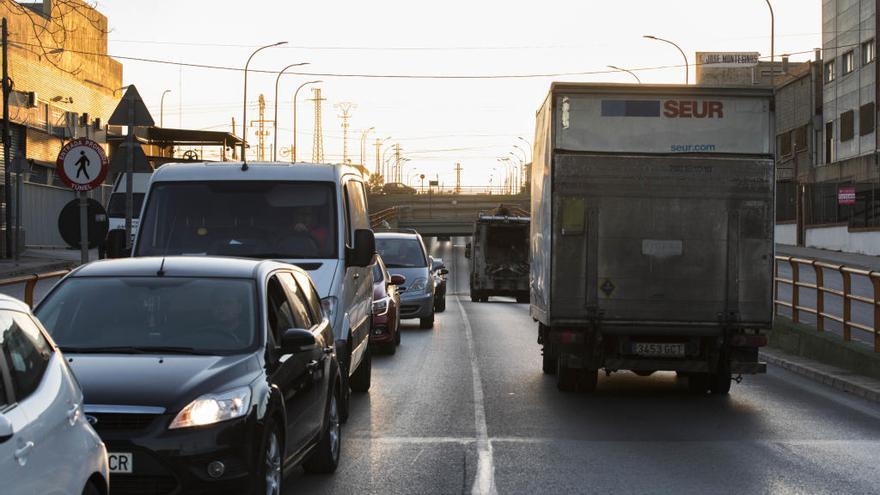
<point x="652" y="232"/>
<point x="499" y="254"/>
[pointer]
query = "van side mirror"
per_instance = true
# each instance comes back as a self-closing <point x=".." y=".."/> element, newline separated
<point x="398" y="279"/>
<point x="443" y="271"/>
<point x="295" y="340"/>
<point x="467" y="251"/>
<point x="361" y="255"/>
<point x="116" y="244"/>
<point x="6" y="431"/>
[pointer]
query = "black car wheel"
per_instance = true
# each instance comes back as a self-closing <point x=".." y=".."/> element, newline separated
<point x="426" y="323"/>
<point x="271" y="473"/>
<point x="360" y="380"/>
<point x="397" y="333"/>
<point x="325" y="459"/>
<point x="440" y="306"/>
<point x="91" y="489"/>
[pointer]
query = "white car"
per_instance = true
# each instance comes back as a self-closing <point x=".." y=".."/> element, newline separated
<point x="47" y="446"/>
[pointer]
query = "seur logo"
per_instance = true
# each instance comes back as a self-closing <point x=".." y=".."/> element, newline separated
<point x="685" y="109"/>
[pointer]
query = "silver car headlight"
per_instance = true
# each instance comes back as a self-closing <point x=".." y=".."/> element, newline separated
<point x="380" y="307"/>
<point x="418" y="285"/>
<point x="214" y="408"/>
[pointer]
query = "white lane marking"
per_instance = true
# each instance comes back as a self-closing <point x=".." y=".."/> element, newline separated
<point x="587" y="442"/>
<point x="413" y="440"/>
<point x="484" y="482"/>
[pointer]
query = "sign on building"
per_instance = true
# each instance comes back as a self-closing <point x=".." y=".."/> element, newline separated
<point x="728" y="59"/>
<point x="846" y="195"/>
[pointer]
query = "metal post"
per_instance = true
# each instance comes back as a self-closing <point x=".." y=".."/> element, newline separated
<point x="820" y="296"/>
<point x="7" y="177"/>
<point x="244" y="105"/>
<point x="83" y="227"/>
<point x="847" y="304"/>
<point x="795" y="291"/>
<point x="295" y="94"/>
<point x="19" y="184"/>
<point x="686" y="64"/>
<point x="162" y="108"/>
<point x="275" y="121"/>
<point x="875" y="279"/>
<point x="129" y="175"/>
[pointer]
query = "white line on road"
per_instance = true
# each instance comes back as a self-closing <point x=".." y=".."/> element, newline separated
<point x="484" y="482"/>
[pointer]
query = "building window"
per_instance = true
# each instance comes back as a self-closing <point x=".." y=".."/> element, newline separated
<point x="799" y="138"/>
<point x="868" y="52"/>
<point x="784" y="143"/>
<point x="829" y="142"/>
<point x="867" y="113"/>
<point x="849" y="62"/>
<point x="847" y="125"/>
<point x="829" y="71"/>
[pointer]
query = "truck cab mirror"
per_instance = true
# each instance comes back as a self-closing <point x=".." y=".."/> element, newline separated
<point x="116" y="244"/>
<point x="398" y="279"/>
<point x="361" y="255"/>
<point x="295" y="340"/>
<point x="6" y="430"/>
<point x="467" y="251"/>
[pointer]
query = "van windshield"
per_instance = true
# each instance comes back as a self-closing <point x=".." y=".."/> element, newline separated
<point x="240" y="218"/>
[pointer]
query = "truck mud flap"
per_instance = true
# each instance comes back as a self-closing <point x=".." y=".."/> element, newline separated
<point x="656" y="365"/>
<point x="741" y="368"/>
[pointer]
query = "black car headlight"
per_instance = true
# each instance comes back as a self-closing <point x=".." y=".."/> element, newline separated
<point x="214" y="408"/>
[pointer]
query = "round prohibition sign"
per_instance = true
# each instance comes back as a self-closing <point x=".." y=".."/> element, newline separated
<point x="82" y="164"/>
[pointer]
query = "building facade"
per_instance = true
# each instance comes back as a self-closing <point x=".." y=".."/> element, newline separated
<point x="64" y="85"/>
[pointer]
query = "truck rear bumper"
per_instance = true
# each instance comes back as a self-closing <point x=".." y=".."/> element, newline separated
<point x="736" y="367"/>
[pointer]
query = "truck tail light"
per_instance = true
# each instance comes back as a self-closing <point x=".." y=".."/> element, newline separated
<point x="748" y="341"/>
<point x="566" y="337"/>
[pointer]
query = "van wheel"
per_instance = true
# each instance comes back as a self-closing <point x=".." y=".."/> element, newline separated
<point x="698" y="383"/>
<point x="325" y="459"/>
<point x="360" y="380"/>
<point x="427" y="323"/>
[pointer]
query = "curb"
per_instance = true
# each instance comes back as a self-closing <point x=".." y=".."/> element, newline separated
<point x="833" y="380"/>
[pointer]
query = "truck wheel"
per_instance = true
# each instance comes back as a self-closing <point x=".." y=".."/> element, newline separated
<point x="427" y="323"/>
<point x="720" y="381"/>
<point x="698" y="383"/>
<point x="360" y="380"/>
<point x="548" y="363"/>
<point x="475" y="297"/>
<point x="566" y="378"/>
<point x="588" y="379"/>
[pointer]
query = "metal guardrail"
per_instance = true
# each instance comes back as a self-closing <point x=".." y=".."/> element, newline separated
<point x="821" y="289"/>
<point x="30" y="282"/>
<point x="385" y="215"/>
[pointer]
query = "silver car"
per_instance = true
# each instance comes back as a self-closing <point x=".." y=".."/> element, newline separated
<point x="404" y="253"/>
<point x="46" y="445"/>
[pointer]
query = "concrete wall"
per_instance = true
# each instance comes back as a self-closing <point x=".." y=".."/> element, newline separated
<point x="786" y="233"/>
<point x="839" y="238"/>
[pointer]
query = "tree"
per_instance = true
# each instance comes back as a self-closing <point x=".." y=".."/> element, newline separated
<point x="375" y="184"/>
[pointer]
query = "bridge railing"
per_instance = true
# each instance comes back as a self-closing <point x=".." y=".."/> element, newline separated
<point x="830" y="295"/>
<point x="384" y="216"/>
<point x="30" y="283"/>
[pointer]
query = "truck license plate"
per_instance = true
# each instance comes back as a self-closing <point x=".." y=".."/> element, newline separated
<point x="665" y="350"/>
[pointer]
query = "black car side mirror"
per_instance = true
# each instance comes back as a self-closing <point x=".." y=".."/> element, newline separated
<point x="398" y="279"/>
<point x="116" y="244"/>
<point x="443" y="271"/>
<point x="6" y="430"/>
<point x="295" y="340"/>
<point x="361" y="255"/>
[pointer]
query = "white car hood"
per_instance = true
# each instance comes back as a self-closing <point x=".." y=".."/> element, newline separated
<point x="321" y="271"/>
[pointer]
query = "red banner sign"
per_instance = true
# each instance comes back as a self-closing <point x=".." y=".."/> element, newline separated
<point x="846" y="195"/>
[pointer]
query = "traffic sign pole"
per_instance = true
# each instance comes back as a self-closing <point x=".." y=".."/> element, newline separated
<point x="83" y="227"/>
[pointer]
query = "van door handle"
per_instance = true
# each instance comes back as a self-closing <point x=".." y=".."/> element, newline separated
<point x="22" y="453"/>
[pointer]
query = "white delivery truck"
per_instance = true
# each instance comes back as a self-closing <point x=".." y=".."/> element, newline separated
<point x="652" y="232"/>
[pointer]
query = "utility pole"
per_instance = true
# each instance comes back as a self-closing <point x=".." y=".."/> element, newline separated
<point x="318" y="141"/>
<point x="234" y="148"/>
<point x="7" y="175"/>
<point x="344" y="107"/>
<point x="378" y="147"/>
<point x="458" y="178"/>
<point x="397" y="162"/>
<point x="261" y="131"/>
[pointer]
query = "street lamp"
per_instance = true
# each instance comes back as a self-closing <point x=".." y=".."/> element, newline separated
<point x="295" y="93"/>
<point x="379" y="143"/>
<point x="162" y="108"/>
<point x="244" y="105"/>
<point x="364" y="143"/>
<point x="621" y="69"/>
<point x="686" y="71"/>
<point x="528" y="143"/>
<point x="275" y="121"/>
<point x="772" y="35"/>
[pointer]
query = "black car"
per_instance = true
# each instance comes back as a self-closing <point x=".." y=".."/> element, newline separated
<point x="201" y="375"/>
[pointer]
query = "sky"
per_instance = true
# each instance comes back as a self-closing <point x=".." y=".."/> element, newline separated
<point x="437" y="122"/>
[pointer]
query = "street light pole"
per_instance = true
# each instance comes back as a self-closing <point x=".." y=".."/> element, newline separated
<point x="364" y="143"/>
<point x="162" y="108"/>
<point x="244" y="105"/>
<point x="621" y="69"/>
<point x="295" y="93"/>
<point x="772" y="40"/>
<point x="686" y="65"/>
<point x="275" y="120"/>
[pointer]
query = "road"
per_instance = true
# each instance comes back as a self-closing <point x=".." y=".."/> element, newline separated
<point x="465" y="406"/>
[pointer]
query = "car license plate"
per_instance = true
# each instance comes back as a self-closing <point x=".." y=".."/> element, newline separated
<point x="120" y="462"/>
<point x="665" y="350"/>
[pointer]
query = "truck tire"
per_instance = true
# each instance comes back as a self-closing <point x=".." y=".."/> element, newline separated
<point x="522" y="299"/>
<point x="719" y="383"/>
<point x="587" y="380"/>
<point x="548" y="364"/>
<point x="360" y="380"/>
<point x="427" y="323"/>
<point x="566" y="378"/>
<point x="698" y="383"/>
<point x="475" y="296"/>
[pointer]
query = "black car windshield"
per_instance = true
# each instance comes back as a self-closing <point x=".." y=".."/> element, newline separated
<point x="135" y="314"/>
<point x="240" y="218"/>
<point x="401" y="252"/>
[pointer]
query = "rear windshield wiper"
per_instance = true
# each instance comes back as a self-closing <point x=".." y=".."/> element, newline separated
<point x="134" y="350"/>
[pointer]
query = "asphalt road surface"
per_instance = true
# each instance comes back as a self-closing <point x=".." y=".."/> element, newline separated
<point x="464" y="408"/>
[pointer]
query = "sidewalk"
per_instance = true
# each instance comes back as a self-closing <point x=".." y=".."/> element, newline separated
<point x="42" y="261"/>
<point x="837" y="257"/>
<point x="837" y="378"/>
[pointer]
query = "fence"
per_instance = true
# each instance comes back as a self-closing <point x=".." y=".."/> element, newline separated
<point x="844" y="297"/>
<point x="30" y="282"/>
<point x="821" y="206"/>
